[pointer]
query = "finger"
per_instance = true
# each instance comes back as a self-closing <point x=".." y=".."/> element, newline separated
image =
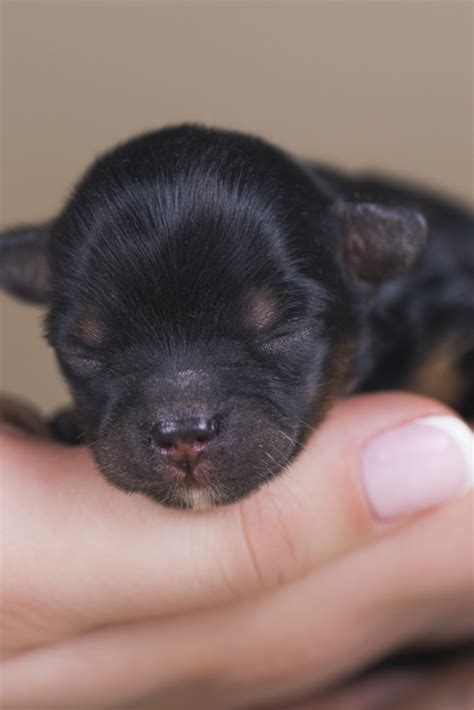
<point x="22" y="416"/>
<point x="371" y="693"/>
<point x="294" y="641"/>
<point x="93" y="555"/>
<point x="451" y="687"/>
<point x="439" y="688"/>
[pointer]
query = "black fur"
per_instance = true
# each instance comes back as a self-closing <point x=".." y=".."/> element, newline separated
<point x="200" y="275"/>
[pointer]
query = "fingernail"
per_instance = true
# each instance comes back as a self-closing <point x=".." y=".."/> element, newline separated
<point x="417" y="466"/>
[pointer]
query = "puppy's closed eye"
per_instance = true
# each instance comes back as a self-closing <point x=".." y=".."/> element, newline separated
<point x="292" y="338"/>
<point x="81" y="351"/>
<point x="78" y="360"/>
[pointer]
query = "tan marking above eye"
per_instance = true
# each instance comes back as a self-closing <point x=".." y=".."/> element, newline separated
<point x="262" y="309"/>
<point x="440" y="376"/>
<point x="90" y="329"/>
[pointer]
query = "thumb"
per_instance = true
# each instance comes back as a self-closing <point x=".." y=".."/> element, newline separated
<point x="376" y="462"/>
<point x="86" y="554"/>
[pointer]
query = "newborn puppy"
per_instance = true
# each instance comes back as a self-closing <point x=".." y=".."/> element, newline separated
<point x="209" y="296"/>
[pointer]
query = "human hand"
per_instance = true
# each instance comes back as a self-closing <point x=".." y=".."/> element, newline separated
<point x="110" y="600"/>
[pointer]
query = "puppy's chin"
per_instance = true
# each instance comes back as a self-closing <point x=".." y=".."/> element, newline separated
<point x="189" y="496"/>
<point x="192" y="498"/>
<point x="184" y="494"/>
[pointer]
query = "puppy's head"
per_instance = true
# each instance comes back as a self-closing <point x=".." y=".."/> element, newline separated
<point x="203" y="306"/>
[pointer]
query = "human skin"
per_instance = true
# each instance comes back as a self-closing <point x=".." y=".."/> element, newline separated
<point x="109" y="600"/>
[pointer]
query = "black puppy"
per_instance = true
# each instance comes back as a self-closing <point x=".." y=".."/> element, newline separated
<point x="209" y="296"/>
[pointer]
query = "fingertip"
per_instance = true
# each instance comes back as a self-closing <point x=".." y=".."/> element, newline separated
<point x="416" y="466"/>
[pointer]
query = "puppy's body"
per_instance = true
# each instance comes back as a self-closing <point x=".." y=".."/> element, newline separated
<point x="209" y="296"/>
<point x="421" y="325"/>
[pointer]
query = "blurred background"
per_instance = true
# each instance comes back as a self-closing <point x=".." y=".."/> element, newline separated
<point x="359" y="83"/>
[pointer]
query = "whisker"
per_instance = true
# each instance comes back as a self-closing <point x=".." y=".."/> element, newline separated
<point x="288" y="437"/>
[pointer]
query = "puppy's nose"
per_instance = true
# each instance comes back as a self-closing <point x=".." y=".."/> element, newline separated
<point x="183" y="442"/>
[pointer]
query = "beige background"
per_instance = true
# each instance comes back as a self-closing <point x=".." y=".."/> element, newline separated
<point x="359" y="83"/>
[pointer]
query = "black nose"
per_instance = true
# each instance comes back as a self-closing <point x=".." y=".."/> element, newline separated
<point x="183" y="442"/>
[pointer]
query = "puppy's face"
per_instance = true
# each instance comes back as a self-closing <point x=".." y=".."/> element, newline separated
<point x="197" y="383"/>
<point x="200" y="311"/>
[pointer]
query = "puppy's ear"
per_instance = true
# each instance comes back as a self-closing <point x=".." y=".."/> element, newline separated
<point x="24" y="268"/>
<point x="381" y="242"/>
